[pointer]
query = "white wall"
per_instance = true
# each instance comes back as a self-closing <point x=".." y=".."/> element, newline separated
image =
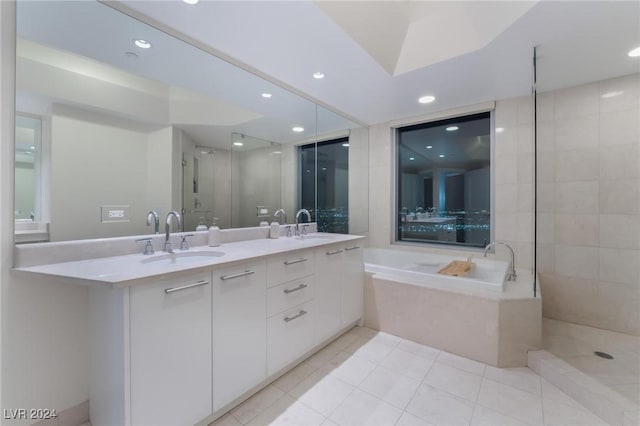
<point x="43" y="346"/>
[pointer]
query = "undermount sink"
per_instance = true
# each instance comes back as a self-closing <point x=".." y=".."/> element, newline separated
<point x="179" y="258"/>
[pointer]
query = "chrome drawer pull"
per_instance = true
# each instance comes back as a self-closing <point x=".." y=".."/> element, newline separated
<point x="352" y="248"/>
<point x="291" y="290"/>
<point x="298" y="315"/>
<point x="293" y="262"/>
<point x="241" y="274"/>
<point x="330" y="253"/>
<point x="184" y="287"/>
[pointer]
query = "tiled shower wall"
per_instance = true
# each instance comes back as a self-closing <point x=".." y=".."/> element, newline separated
<point x="589" y="203"/>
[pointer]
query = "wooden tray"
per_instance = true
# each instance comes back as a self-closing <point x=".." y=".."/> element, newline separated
<point x="457" y="268"/>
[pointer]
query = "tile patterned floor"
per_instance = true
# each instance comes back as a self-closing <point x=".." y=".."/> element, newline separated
<point x="373" y="378"/>
<point x="576" y="344"/>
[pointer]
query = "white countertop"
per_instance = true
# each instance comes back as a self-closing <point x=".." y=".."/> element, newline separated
<point x="125" y="270"/>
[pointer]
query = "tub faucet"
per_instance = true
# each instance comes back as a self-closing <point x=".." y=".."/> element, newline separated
<point x="156" y="221"/>
<point x="167" y="227"/>
<point x="281" y="216"/>
<point x="511" y="274"/>
<point x="301" y="211"/>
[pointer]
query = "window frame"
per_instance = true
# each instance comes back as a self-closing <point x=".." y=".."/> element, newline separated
<point x="395" y="127"/>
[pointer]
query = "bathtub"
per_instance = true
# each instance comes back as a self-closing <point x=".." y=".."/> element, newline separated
<point x="422" y="269"/>
<point x="480" y="316"/>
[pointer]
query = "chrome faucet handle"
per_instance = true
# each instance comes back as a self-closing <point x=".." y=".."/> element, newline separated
<point x="184" y="244"/>
<point x="148" y="248"/>
<point x="305" y="229"/>
<point x="156" y="221"/>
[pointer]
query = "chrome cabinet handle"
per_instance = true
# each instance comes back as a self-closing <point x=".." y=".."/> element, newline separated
<point x="352" y="248"/>
<point x="298" y="315"/>
<point x="330" y="253"/>
<point x="184" y="287"/>
<point x="293" y="262"/>
<point x="241" y="274"/>
<point x="291" y="290"/>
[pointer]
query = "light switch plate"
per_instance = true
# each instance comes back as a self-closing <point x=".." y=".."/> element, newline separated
<point x="114" y="213"/>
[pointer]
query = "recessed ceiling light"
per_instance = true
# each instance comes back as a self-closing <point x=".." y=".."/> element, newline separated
<point x="298" y="129"/>
<point x="308" y="171"/>
<point x="429" y="146"/>
<point x="266" y="95"/>
<point x="441" y="156"/>
<point x="613" y="94"/>
<point x="324" y="168"/>
<point x="411" y="158"/>
<point x="238" y="144"/>
<point x="191" y="2"/>
<point x="499" y="129"/>
<point x="277" y="152"/>
<point x="318" y="75"/>
<point x="635" y="53"/>
<point x="346" y="145"/>
<point x="426" y="99"/>
<point x="142" y="44"/>
<point x="32" y="147"/>
<point x="452" y="128"/>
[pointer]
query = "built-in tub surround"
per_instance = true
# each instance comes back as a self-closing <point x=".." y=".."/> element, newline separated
<point x="463" y="317"/>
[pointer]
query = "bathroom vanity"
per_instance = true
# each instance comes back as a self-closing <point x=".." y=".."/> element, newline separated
<point x="182" y="338"/>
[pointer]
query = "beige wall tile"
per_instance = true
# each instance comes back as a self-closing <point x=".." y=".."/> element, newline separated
<point x="577" y="165"/>
<point x="546" y="164"/>
<point x="618" y="307"/>
<point x="577" y="197"/>
<point x="525" y="168"/>
<point x="506" y="198"/>
<point x="620" y="231"/>
<point x="575" y="299"/>
<point x="546" y="228"/>
<point x="619" y="127"/>
<point x="577" y="133"/>
<point x="619" y="266"/>
<point x="620" y="162"/>
<point x="524" y="108"/>
<point x="546" y="136"/>
<point x="546" y="197"/>
<point x="525" y="139"/>
<point x="579" y="101"/>
<point x="577" y="262"/>
<point x="546" y="107"/>
<point x="577" y="229"/>
<point x="506" y="114"/>
<point x="626" y="90"/>
<point x="621" y="196"/>
<point x="525" y="197"/>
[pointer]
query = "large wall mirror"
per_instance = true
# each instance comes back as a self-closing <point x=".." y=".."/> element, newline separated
<point x="124" y="118"/>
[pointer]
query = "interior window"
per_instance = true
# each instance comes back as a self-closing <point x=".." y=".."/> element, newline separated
<point x="444" y="181"/>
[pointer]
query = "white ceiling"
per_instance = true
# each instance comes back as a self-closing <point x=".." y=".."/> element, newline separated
<point x="379" y="57"/>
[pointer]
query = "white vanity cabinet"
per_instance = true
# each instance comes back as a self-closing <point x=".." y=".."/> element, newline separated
<point x="352" y="288"/>
<point x="339" y="287"/>
<point x="239" y="330"/>
<point x="290" y="308"/>
<point x="170" y="350"/>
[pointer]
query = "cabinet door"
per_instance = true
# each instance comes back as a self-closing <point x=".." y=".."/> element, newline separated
<point x="329" y="279"/>
<point x="352" y="286"/>
<point x="239" y="330"/>
<point x="170" y="347"/>
<point x="290" y="336"/>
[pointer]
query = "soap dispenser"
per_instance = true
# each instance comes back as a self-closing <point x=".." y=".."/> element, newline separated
<point x="201" y="225"/>
<point x="214" y="234"/>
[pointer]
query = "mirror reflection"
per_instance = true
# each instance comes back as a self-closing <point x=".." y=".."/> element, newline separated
<point x="153" y="125"/>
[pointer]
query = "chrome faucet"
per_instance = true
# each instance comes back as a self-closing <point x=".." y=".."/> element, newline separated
<point x="511" y="274"/>
<point x="281" y="216"/>
<point x="156" y="221"/>
<point x="167" y="227"/>
<point x="306" y="212"/>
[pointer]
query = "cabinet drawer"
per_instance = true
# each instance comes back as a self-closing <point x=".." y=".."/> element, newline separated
<point x="289" y="266"/>
<point x="289" y="294"/>
<point x="289" y="335"/>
